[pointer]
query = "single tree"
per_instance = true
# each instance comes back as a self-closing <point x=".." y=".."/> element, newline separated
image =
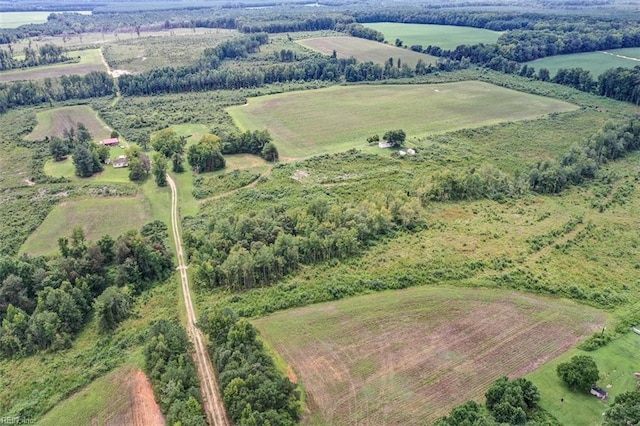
<point x="579" y="373"/>
<point x="270" y="152"/>
<point x="83" y="161"/>
<point x="58" y="148"/>
<point x="177" y="163"/>
<point x="159" y="169"/>
<point x="168" y="142"/>
<point x="395" y="137"/>
<point x="111" y="308"/>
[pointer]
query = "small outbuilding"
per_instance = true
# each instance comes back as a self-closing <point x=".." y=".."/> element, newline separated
<point x="120" y="162"/>
<point x="110" y="142"/>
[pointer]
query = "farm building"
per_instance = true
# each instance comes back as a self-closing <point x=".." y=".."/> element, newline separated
<point x="120" y="162"/>
<point x="599" y="392"/>
<point x="110" y="142"/>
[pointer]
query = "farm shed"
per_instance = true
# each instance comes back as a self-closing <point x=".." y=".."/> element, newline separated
<point x="110" y="142"/>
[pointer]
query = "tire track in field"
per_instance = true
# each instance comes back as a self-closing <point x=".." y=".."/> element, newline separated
<point x="211" y="400"/>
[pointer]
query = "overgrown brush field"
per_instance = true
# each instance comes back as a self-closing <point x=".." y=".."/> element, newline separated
<point x="88" y="60"/>
<point x="444" y="36"/>
<point x="96" y="217"/>
<point x="365" y="50"/>
<point x="596" y="62"/>
<point x="52" y="122"/>
<point x="338" y="118"/>
<point x="407" y="357"/>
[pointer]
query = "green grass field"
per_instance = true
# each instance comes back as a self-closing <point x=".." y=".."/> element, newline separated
<point x="90" y="60"/>
<point x="365" y="50"/>
<point x="412" y="342"/>
<point x="616" y="362"/>
<point x="596" y="62"/>
<point x="52" y="122"/>
<point x="96" y="216"/>
<point x="15" y="19"/>
<point x="444" y="36"/>
<point x="313" y="122"/>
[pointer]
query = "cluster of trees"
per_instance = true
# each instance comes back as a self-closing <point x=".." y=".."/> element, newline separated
<point x="170" y="146"/>
<point x="621" y="84"/>
<point x="61" y="147"/>
<point x="582" y="162"/>
<point x="88" y="156"/>
<point x="360" y="31"/>
<point x="243" y="251"/>
<point x="625" y="409"/>
<point x="470" y="184"/>
<point x="46" y="54"/>
<point x="513" y="402"/>
<point x="31" y="92"/>
<point x="289" y="24"/>
<point x="253" y="390"/>
<point x="205" y="156"/>
<point x="45" y="301"/>
<point x="172" y="373"/>
<point x="139" y="164"/>
<point x="258" y="142"/>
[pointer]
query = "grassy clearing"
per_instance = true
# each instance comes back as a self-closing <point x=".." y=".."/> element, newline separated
<point x="52" y="122"/>
<point x="312" y="122"/>
<point x="617" y="362"/>
<point x="414" y="341"/>
<point x="444" y="36"/>
<point x="162" y="49"/>
<point x="16" y="19"/>
<point x="96" y="216"/>
<point x="596" y="62"/>
<point x="89" y="60"/>
<point x="192" y="131"/>
<point x="365" y="50"/>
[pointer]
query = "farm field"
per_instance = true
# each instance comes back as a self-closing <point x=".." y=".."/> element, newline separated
<point x="444" y="36"/>
<point x="124" y="396"/>
<point x="419" y="351"/>
<point x="365" y="50"/>
<point x="596" y="62"/>
<point x="90" y="60"/>
<point x="156" y="50"/>
<point x="96" y="216"/>
<point x="311" y="122"/>
<point x="616" y="362"/>
<point x="52" y="122"/>
<point x="15" y="19"/>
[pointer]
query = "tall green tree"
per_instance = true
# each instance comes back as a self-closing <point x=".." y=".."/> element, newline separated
<point x="624" y="411"/>
<point x="83" y="161"/>
<point x="58" y="148"/>
<point x="111" y="308"/>
<point x="159" y="169"/>
<point x="167" y="142"/>
<point x="580" y="373"/>
<point x="205" y="156"/>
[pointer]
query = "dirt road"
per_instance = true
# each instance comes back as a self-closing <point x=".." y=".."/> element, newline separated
<point x="212" y="402"/>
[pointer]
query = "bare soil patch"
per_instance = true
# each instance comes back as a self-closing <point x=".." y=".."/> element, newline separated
<point x="408" y="357"/>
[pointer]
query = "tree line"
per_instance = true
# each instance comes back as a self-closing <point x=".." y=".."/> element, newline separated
<point x="20" y="93"/>
<point x="244" y="251"/>
<point x="45" y="55"/>
<point x="253" y="390"/>
<point x="45" y="301"/>
<point x="172" y="373"/>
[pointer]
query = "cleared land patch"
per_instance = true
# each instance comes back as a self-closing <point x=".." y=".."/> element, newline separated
<point x="16" y="19"/>
<point x="407" y="357"/>
<point x="90" y="60"/>
<point x="444" y="36"/>
<point x="123" y="396"/>
<point x="365" y="50"/>
<point x="338" y="118"/>
<point x="52" y="122"/>
<point x="596" y="62"/>
<point x="96" y="216"/>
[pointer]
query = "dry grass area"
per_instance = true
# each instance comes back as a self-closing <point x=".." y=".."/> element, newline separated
<point x="407" y="357"/>
<point x="52" y="122"/>
<point x="365" y="50"/>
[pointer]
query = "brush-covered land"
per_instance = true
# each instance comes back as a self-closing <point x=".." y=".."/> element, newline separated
<point x="375" y="231"/>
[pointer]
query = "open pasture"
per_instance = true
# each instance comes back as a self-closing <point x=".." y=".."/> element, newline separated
<point x="365" y="50"/>
<point x="596" y="62"/>
<point x="52" y="122"/>
<point x="16" y="19"/>
<point x="339" y="118"/>
<point x="96" y="216"/>
<point x="90" y="60"/>
<point x="444" y="36"/>
<point x="407" y="357"/>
